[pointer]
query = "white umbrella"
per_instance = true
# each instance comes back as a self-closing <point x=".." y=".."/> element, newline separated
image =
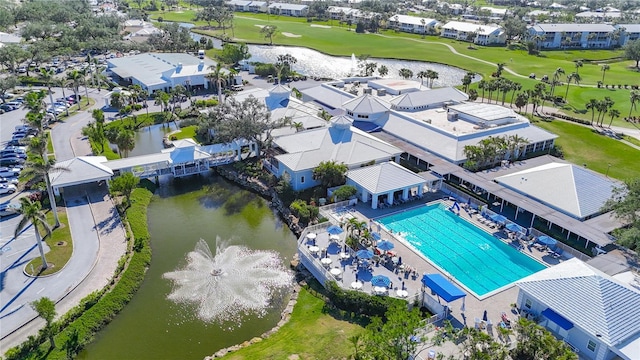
<point x="311" y="236"/>
<point x="334" y="237"/>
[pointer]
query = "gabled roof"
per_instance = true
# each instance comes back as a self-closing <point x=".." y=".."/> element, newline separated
<point x="287" y="6"/>
<point x="327" y="95"/>
<point x="471" y="27"/>
<point x="590" y="299"/>
<point x="366" y="104"/>
<point x="569" y="188"/>
<point x="429" y="97"/>
<point x="81" y="169"/>
<point x="630" y="28"/>
<point x="385" y="177"/>
<point x="306" y="149"/>
<point x="413" y="20"/>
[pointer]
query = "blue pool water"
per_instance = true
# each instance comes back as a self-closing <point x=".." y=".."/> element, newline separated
<point x="479" y="261"/>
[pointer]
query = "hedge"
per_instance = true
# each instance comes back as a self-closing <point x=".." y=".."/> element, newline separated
<point x="98" y="314"/>
<point x="359" y="302"/>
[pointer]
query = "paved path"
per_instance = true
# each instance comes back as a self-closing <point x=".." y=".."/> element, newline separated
<point x="99" y="242"/>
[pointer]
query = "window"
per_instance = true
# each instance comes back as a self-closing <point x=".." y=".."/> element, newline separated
<point x="591" y="345"/>
<point x="301" y="179"/>
<point x="527" y="303"/>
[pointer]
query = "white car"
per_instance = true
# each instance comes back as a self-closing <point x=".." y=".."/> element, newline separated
<point x="10" y="171"/>
<point x="7" y="188"/>
<point x="12" y="181"/>
<point x="9" y="209"/>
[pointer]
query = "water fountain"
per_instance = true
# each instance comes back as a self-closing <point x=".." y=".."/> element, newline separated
<point x="235" y="282"/>
<point x="354" y="64"/>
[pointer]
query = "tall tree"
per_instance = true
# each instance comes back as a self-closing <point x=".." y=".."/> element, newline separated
<point x="632" y="51"/>
<point x="405" y="73"/>
<point x="269" y="31"/>
<point x="421" y="75"/>
<point x="604" y="68"/>
<point x="393" y="337"/>
<point x="634" y="97"/>
<point x="283" y="65"/>
<point x="124" y="185"/>
<point x="614" y="114"/>
<point x="330" y="173"/>
<point x="573" y="77"/>
<point x="75" y="79"/>
<point x="383" y="71"/>
<point x="48" y="78"/>
<point x="40" y="167"/>
<point x="217" y="75"/>
<point x="592" y="105"/>
<point x="32" y="214"/>
<point x="578" y="64"/>
<point x="6" y="84"/>
<point x="625" y="204"/>
<point x="46" y="309"/>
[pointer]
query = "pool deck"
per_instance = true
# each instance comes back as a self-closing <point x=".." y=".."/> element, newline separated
<point x="494" y="304"/>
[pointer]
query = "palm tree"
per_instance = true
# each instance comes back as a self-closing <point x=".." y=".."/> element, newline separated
<point x="592" y="105"/>
<point x="48" y="78"/>
<point x="75" y="79"/>
<point x="604" y="106"/>
<point x="514" y="145"/>
<point x="432" y="75"/>
<point x="216" y="76"/>
<point x="575" y="77"/>
<point x="482" y="85"/>
<point x="614" y="114"/>
<point x="125" y="140"/>
<point x="61" y="83"/>
<point x="634" y="97"/>
<point x="578" y="65"/>
<point x="405" y="73"/>
<point x="514" y="87"/>
<point x="41" y="167"/>
<point x="421" y="75"/>
<point x="32" y="213"/>
<point x="383" y="71"/>
<point x="604" y="68"/>
<point x="556" y="76"/>
<point x="500" y="69"/>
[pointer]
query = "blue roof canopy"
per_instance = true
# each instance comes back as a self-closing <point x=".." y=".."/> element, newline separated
<point x="442" y="287"/>
<point x="557" y="318"/>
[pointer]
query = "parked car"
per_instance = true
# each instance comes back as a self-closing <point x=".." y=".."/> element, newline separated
<point x="9" y="209"/>
<point x="6" y="108"/>
<point x="14" y="143"/>
<point x="11" y="161"/>
<point x="13" y="181"/>
<point x="8" y="95"/>
<point x="7" y="189"/>
<point x="15" y="104"/>
<point x="7" y="154"/>
<point x="9" y="171"/>
<point x="72" y="98"/>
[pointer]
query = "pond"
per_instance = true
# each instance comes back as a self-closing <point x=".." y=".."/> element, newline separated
<point x="149" y="139"/>
<point x="314" y="63"/>
<point x="182" y="212"/>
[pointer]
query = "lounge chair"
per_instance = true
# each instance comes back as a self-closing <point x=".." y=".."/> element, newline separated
<point x="557" y="253"/>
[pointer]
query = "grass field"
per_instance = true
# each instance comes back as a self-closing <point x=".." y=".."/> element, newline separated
<point x="602" y="150"/>
<point x="311" y="334"/>
<point x="187" y="132"/>
<point x="391" y="44"/>
<point x="59" y="254"/>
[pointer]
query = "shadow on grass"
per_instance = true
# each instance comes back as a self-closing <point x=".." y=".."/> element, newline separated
<point x="317" y="290"/>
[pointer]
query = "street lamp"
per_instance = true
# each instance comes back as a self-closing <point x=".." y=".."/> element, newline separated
<point x="608" y="167"/>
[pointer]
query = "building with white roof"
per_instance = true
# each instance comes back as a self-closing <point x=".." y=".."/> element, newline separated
<point x="413" y="24"/>
<point x="630" y="32"/>
<point x="475" y="33"/>
<point x="297" y="10"/>
<point x="586" y="36"/>
<point x="162" y="71"/>
<point x="597" y="16"/>
<point x="239" y="5"/>
<point x="386" y="183"/>
<point x="6" y="38"/>
<point x="594" y="313"/>
<point x="340" y="142"/>
<point x="568" y="188"/>
<point x="82" y="170"/>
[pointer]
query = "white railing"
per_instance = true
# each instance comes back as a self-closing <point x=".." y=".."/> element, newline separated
<point x="565" y="248"/>
<point x="314" y="266"/>
<point x="313" y="228"/>
<point x="327" y="210"/>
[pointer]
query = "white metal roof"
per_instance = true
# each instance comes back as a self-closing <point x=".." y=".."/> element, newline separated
<point x="385" y="177"/>
<point x="328" y="95"/>
<point x="82" y="169"/>
<point x="366" y="104"/>
<point x="487" y="112"/>
<point x="551" y="28"/>
<point x="630" y="28"/>
<point x="287" y="6"/>
<point x="306" y="149"/>
<point x="471" y="27"/>
<point x="429" y="97"/>
<point x="413" y="20"/>
<point x="592" y="300"/>
<point x="569" y="188"/>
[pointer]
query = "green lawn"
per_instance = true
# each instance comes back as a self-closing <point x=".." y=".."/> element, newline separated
<point x="50" y="151"/>
<point x="311" y="333"/>
<point x="187" y="132"/>
<point x="59" y="254"/>
<point x="583" y="146"/>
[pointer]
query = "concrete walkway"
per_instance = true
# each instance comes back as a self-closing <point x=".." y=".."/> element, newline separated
<point x="99" y="243"/>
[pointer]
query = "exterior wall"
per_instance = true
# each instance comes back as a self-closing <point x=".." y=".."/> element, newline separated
<point x="575" y="337"/>
<point x="584" y="39"/>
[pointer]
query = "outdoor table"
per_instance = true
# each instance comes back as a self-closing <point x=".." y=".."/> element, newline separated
<point x="356" y="285"/>
<point x="334" y="238"/>
<point x="402" y="293"/>
<point x="344" y="255"/>
<point x="335" y="271"/>
<point x="379" y="290"/>
<point x="311" y="236"/>
<point x="314" y="249"/>
<point x="394" y="259"/>
<point x="325" y="261"/>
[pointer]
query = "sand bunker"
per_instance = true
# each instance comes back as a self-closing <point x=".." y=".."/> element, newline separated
<point x="321" y="26"/>
<point x="291" y="35"/>
<point x="260" y="26"/>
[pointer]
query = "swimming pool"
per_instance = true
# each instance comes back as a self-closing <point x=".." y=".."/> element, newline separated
<point x="477" y="260"/>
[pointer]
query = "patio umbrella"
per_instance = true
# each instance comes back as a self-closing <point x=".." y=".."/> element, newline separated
<point x="364" y="254"/>
<point x="376" y="236"/>
<point x="334" y="230"/>
<point x="498" y="218"/>
<point x="547" y="240"/>
<point x="334" y="237"/>
<point x="385" y="245"/>
<point x="311" y="236"/>
<point x="380" y="280"/>
<point x="484" y="317"/>
<point x="513" y="227"/>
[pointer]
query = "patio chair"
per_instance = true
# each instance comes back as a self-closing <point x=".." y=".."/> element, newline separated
<point x="557" y="253"/>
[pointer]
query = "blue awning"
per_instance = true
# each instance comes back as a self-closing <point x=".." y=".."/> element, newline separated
<point x="557" y="318"/>
<point x="442" y="287"/>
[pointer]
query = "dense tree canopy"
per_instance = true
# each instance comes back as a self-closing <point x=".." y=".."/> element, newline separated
<point x="632" y="51"/>
<point x="330" y="173"/>
<point x="625" y="204"/>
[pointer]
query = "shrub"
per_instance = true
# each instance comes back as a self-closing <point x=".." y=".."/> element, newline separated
<point x="264" y="70"/>
<point x="359" y="302"/>
<point x="201" y="104"/>
<point x="344" y="192"/>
